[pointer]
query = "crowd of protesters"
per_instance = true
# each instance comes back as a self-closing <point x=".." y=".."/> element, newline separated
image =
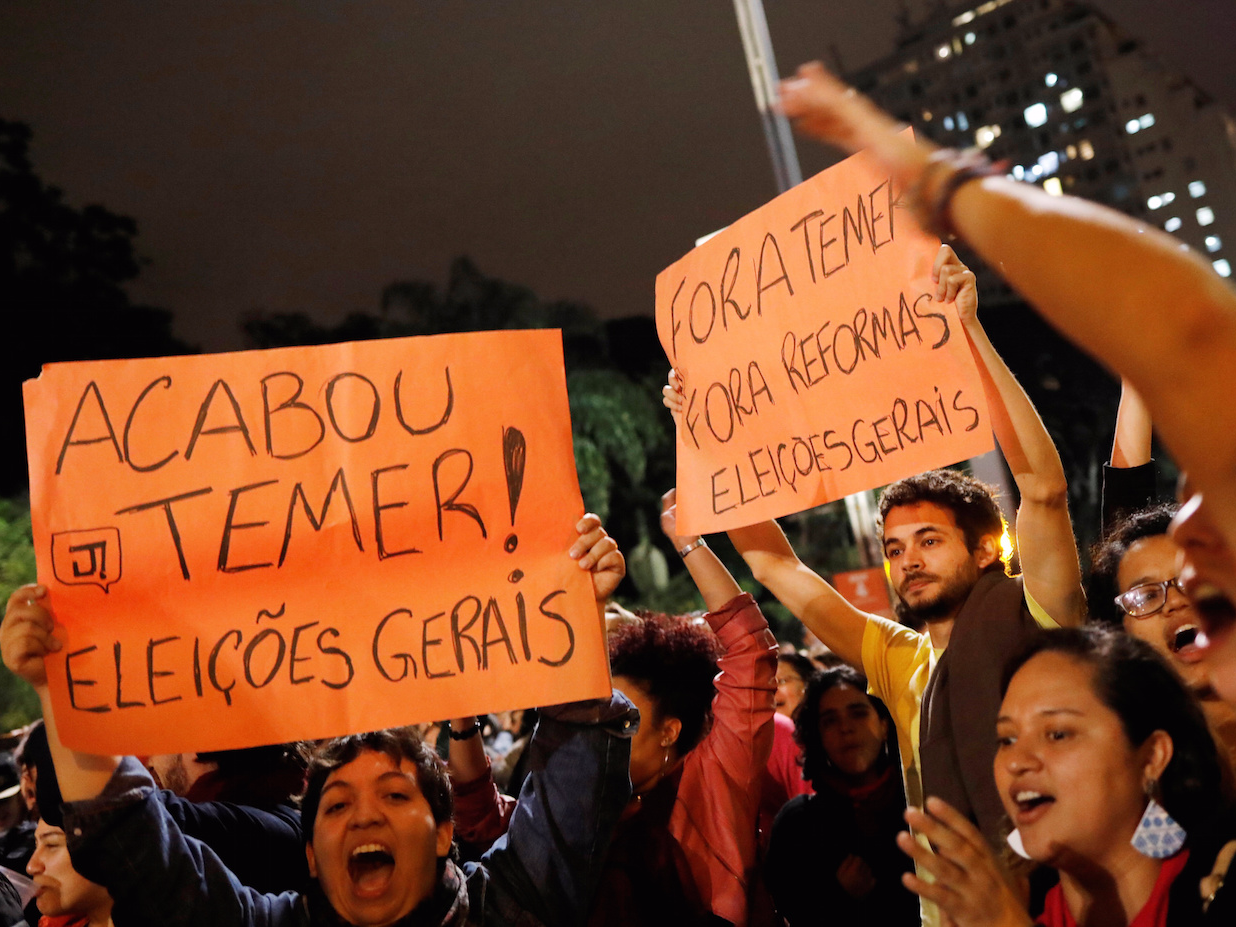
<point x="1042" y="748"/>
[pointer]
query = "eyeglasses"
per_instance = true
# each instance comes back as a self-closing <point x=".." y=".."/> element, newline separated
<point x="1146" y="599"/>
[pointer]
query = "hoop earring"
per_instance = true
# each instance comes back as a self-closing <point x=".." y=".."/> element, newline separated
<point x="1158" y="835"/>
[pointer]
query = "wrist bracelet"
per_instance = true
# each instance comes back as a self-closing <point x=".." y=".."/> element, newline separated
<point x="467" y="733"/>
<point x="698" y="542"/>
<point x="946" y="171"/>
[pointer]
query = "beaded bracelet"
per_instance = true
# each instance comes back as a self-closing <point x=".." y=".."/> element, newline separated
<point x="932" y="195"/>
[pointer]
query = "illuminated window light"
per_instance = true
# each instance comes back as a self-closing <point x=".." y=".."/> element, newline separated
<point x="1036" y="115"/>
<point x="1213" y="243"/>
<point x="1173" y="224"/>
<point x="1071" y="100"/>
<point x="1052" y="186"/>
<point x="1132" y="126"/>
<point x="970" y="37"/>
<point x="1071" y="152"/>
<point x="1223" y="267"/>
<point x="943" y="51"/>
<point x="1146" y="121"/>
<point x="1086" y="150"/>
<point x="1205" y="216"/>
<point x="1169" y="197"/>
<point x="1051" y="79"/>
<point x="966" y="17"/>
<point x="1049" y="164"/>
<point x="948" y="123"/>
<point x="926" y="115"/>
<point x="962" y="122"/>
<point x="1196" y="188"/>
<point x="985" y="135"/>
<point x="1019" y="172"/>
<point x="1154" y="202"/>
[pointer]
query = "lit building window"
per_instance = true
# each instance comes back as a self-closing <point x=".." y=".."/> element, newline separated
<point x="1071" y="151"/>
<point x="1146" y="121"/>
<point x="985" y="135"/>
<point x="1223" y="267"/>
<point x="1213" y="243"/>
<point x="1172" y="225"/>
<point x="962" y="122"/>
<point x="1049" y="164"/>
<point x="1071" y="100"/>
<point x="970" y="37"/>
<point x="1154" y="202"/>
<point x="1036" y="115"/>
<point x="926" y="115"/>
<point x="1196" y="188"/>
<point x="1169" y="197"/>
<point x="1205" y="216"/>
<point x="1019" y="172"/>
<point x="966" y="17"/>
<point x="1132" y="126"/>
<point x="948" y="123"/>
<point x="1052" y="186"/>
<point x="943" y="51"/>
<point x="1086" y="150"/>
<point x="1050" y="79"/>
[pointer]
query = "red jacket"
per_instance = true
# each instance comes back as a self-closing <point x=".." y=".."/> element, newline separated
<point x="714" y="814"/>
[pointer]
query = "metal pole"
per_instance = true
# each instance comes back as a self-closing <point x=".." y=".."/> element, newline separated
<point x="757" y="45"/>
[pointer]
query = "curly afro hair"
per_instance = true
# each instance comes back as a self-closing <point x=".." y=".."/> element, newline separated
<point x="675" y="660"/>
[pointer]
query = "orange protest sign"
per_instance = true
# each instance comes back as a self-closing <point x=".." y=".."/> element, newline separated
<point x="816" y="360"/>
<point x="297" y="543"/>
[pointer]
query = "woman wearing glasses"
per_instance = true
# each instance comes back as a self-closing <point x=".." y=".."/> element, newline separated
<point x="1135" y="568"/>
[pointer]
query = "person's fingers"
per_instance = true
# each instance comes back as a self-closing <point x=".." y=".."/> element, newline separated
<point x="597" y="551"/>
<point x="932" y="891"/>
<point x="942" y="868"/>
<point x="944" y="256"/>
<point x="669" y="498"/>
<point x="590" y="531"/>
<point x="957" y="822"/>
<point x="945" y="839"/>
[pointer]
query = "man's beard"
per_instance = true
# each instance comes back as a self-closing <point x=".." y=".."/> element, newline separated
<point x="952" y="592"/>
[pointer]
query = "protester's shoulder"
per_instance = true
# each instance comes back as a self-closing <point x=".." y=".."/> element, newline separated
<point x="883" y="634"/>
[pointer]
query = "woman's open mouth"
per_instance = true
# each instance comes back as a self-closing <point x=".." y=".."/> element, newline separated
<point x="370" y="868"/>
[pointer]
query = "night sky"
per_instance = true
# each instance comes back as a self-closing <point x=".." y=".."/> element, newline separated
<point x="288" y="156"/>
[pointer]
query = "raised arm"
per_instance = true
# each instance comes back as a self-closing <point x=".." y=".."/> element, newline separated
<point x="1150" y="309"/>
<point x="775" y="566"/>
<point x="804" y="592"/>
<point x="713" y="580"/>
<point x="1129" y="478"/>
<point x="1044" y="532"/>
<point x="1131" y="446"/>
<point x="26" y="638"/>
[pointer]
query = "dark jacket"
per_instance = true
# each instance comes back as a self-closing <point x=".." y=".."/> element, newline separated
<point x="543" y="872"/>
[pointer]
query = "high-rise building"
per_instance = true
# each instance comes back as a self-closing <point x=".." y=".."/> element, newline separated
<point x="1073" y="103"/>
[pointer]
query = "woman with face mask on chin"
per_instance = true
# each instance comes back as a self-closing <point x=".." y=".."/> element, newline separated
<point x="1109" y="775"/>
<point x="833" y="852"/>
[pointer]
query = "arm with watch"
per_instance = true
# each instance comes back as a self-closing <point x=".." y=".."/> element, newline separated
<point x="766" y="550"/>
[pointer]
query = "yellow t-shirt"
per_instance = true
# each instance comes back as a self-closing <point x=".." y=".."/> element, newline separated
<point x="897" y="663"/>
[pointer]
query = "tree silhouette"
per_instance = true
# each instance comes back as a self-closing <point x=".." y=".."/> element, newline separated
<point x="62" y="277"/>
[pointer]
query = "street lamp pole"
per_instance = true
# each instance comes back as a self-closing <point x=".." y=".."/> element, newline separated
<point x="762" y="67"/>
<point x="757" y="44"/>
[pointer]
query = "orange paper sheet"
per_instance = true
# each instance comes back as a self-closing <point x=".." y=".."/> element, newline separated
<point x="816" y="360"/>
<point x="265" y="546"/>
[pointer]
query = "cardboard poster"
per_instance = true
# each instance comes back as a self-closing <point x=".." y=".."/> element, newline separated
<point x="298" y="543"/>
<point x="816" y="360"/>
